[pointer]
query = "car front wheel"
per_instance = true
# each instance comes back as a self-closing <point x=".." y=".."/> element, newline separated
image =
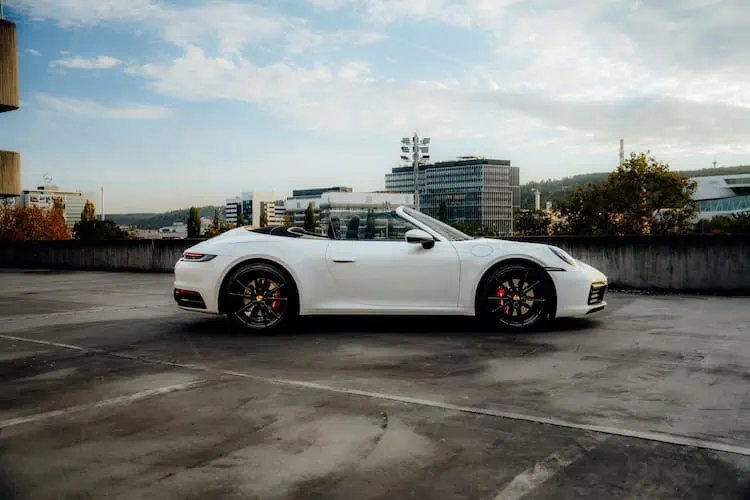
<point x="260" y="298"/>
<point x="516" y="297"/>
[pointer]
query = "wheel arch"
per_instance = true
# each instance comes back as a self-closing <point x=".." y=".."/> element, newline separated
<point x="255" y="260"/>
<point x="515" y="260"/>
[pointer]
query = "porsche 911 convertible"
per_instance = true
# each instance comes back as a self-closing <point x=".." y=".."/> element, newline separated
<point x="390" y="262"/>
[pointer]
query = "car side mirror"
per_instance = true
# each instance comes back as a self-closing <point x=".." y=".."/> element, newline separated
<point x="419" y="237"/>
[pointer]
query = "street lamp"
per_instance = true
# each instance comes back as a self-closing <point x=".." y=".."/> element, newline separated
<point x="420" y="155"/>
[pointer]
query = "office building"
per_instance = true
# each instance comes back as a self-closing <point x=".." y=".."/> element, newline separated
<point x="722" y="195"/>
<point x="43" y="197"/>
<point x="316" y="192"/>
<point x="474" y="189"/>
<point x="232" y="208"/>
<point x="249" y="204"/>
<point x="342" y="206"/>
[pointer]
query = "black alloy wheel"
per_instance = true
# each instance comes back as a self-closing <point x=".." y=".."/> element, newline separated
<point x="517" y="297"/>
<point x="260" y="298"/>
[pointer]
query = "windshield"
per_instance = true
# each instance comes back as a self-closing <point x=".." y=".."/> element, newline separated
<point x="449" y="232"/>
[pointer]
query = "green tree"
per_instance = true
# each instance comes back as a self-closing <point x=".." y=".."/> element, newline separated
<point x="443" y="212"/>
<point x="89" y="212"/>
<point x="287" y="221"/>
<point x="650" y="198"/>
<point x="217" y="220"/>
<point x="370" y="225"/>
<point x="264" y="217"/>
<point x="194" y="223"/>
<point x="531" y="223"/>
<point x="642" y="196"/>
<point x="309" y="224"/>
<point x="240" y="219"/>
<point x="93" y="230"/>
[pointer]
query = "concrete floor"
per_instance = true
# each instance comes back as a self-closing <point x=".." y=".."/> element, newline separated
<point x="108" y="390"/>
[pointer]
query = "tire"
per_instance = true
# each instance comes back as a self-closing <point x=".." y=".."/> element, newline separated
<point x="260" y="298"/>
<point x="517" y="297"/>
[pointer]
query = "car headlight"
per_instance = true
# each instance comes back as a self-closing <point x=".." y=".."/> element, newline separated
<point x="563" y="255"/>
<point x="197" y="257"/>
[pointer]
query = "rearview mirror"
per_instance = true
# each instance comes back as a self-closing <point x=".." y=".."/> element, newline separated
<point x="419" y="237"/>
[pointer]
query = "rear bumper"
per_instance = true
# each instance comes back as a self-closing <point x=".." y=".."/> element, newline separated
<point x="201" y="278"/>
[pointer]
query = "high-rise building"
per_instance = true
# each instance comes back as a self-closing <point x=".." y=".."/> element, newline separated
<point x="43" y="197"/>
<point x="474" y="189"/>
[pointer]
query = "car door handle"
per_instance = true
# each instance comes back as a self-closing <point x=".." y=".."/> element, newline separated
<point x="343" y="261"/>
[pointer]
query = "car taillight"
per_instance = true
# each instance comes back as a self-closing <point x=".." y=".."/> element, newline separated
<point x="197" y="257"/>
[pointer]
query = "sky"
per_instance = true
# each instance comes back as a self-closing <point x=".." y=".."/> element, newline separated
<point x="172" y="104"/>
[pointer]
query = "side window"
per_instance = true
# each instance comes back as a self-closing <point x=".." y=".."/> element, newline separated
<point x="371" y="225"/>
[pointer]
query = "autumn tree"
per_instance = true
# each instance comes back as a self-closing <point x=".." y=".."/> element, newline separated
<point x="89" y="212"/>
<point x="194" y="223"/>
<point x="32" y="223"/>
<point x="309" y="224"/>
<point x="642" y="196"/>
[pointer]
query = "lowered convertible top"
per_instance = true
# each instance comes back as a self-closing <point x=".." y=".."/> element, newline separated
<point x="288" y="232"/>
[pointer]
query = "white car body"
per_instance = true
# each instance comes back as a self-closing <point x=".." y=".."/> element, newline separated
<point x="383" y="277"/>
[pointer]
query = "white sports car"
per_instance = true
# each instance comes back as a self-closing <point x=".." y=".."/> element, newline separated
<point x="395" y="262"/>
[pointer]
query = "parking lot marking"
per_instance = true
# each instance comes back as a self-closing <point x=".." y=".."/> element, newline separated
<point x="542" y="471"/>
<point x="119" y="400"/>
<point x="660" y="437"/>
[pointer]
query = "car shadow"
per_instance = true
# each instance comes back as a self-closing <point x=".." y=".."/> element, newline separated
<point x="428" y="326"/>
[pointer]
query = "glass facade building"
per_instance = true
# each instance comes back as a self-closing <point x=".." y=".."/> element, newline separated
<point x="476" y="190"/>
<point x="722" y="195"/>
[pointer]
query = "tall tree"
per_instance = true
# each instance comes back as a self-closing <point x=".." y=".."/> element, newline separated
<point x="370" y="225"/>
<point x="443" y="212"/>
<point x="89" y="211"/>
<point x="56" y="224"/>
<point x="194" y="223"/>
<point x="531" y="223"/>
<point x="217" y="220"/>
<point x="264" y="216"/>
<point x="642" y="196"/>
<point x="309" y="224"/>
<point x="240" y="219"/>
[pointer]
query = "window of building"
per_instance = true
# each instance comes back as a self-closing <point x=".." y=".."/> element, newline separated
<point x="366" y="225"/>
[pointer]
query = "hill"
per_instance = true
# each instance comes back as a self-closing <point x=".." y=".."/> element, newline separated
<point x="557" y="190"/>
<point x="157" y="220"/>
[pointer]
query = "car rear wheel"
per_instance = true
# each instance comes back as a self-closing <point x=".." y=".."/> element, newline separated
<point x="261" y="298"/>
<point x="516" y="297"/>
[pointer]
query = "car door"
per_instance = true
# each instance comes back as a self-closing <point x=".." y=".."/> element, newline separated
<point x="374" y="267"/>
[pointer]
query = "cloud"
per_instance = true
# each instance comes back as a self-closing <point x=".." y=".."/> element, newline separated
<point x="32" y="52"/>
<point x="225" y="26"/>
<point x="99" y="62"/>
<point x="669" y="73"/>
<point x="90" y="109"/>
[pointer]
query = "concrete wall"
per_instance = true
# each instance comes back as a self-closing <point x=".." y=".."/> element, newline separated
<point x="680" y="263"/>
<point x="126" y="255"/>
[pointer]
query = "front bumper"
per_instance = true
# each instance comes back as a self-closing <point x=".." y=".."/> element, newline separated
<point x="580" y="289"/>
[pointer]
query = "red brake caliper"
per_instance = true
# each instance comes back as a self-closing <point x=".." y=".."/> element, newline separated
<point x="276" y="303"/>
<point x="500" y="292"/>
